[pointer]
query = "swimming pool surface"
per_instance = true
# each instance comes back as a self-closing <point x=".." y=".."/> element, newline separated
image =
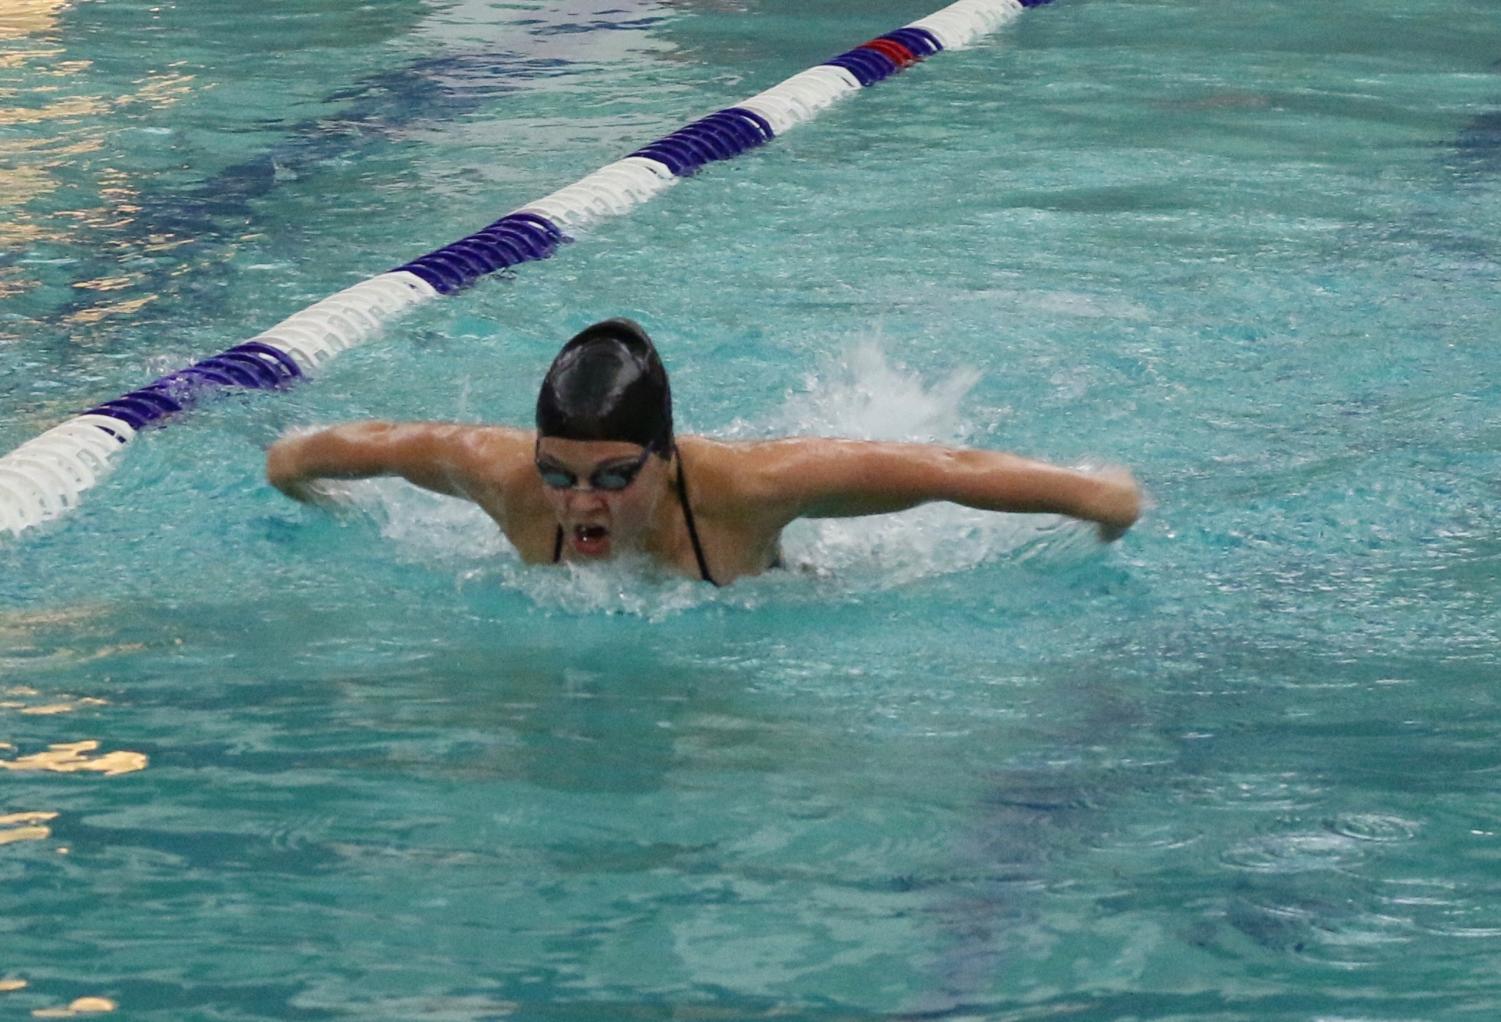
<point x="260" y="762"/>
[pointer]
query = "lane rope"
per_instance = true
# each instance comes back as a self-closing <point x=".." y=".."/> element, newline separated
<point x="46" y="477"/>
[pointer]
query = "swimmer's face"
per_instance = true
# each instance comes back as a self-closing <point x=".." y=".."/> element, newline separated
<point x="599" y="516"/>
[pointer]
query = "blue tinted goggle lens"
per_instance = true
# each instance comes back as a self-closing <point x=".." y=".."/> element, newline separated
<point x="557" y="478"/>
<point x="609" y="477"/>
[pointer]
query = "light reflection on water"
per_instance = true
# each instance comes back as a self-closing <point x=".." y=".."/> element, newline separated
<point x="72" y="758"/>
<point x="69" y="140"/>
<point x="30" y="826"/>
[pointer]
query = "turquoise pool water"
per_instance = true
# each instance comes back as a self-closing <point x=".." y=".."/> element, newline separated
<point x="1242" y="765"/>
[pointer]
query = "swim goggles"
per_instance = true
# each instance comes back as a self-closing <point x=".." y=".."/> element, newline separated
<point x="615" y="476"/>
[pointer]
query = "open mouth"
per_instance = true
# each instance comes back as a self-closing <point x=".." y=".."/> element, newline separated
<point x="591" y="540"/>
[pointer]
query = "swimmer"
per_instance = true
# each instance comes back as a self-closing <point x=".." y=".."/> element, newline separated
<point x="603" y="473"/>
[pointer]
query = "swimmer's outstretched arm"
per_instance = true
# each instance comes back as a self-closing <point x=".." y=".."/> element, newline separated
<point x="444" y="457"/>
<point x="819" y="478"/>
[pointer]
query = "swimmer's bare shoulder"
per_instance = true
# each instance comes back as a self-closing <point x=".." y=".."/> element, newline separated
<point x="734" y="481"/>
<point x="494" y="466"/>
<point x="732" y="490"/>
<point x="759" y="486"/>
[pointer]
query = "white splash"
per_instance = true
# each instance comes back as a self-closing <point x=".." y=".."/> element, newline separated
<point x="864" y="395"/>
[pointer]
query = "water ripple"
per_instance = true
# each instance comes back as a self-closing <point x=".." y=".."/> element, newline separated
<point x="1292" y="853"/>
<point x="1377" y="827"/>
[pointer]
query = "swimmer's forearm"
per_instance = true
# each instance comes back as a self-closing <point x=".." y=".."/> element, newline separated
<point x="993" y="481"/>
<point x="1004" y="482"/>
<point x="837" y="478"/>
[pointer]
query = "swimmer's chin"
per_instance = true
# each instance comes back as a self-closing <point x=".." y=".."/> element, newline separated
<point x="626" y="561"/>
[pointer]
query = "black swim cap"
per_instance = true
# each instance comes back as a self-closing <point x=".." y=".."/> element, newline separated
<point x="608" y="384"/>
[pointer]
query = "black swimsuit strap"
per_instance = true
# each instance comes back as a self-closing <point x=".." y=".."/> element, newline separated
<point x="698" y="548"/>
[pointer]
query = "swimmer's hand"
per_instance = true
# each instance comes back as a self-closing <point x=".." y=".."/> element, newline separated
<point x="286" y="470"/>
<point x="1117" y="503"/>
<point x="281" y="470"/>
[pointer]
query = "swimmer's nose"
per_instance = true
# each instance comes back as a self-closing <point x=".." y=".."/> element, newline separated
<point x="584" y="500"/>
